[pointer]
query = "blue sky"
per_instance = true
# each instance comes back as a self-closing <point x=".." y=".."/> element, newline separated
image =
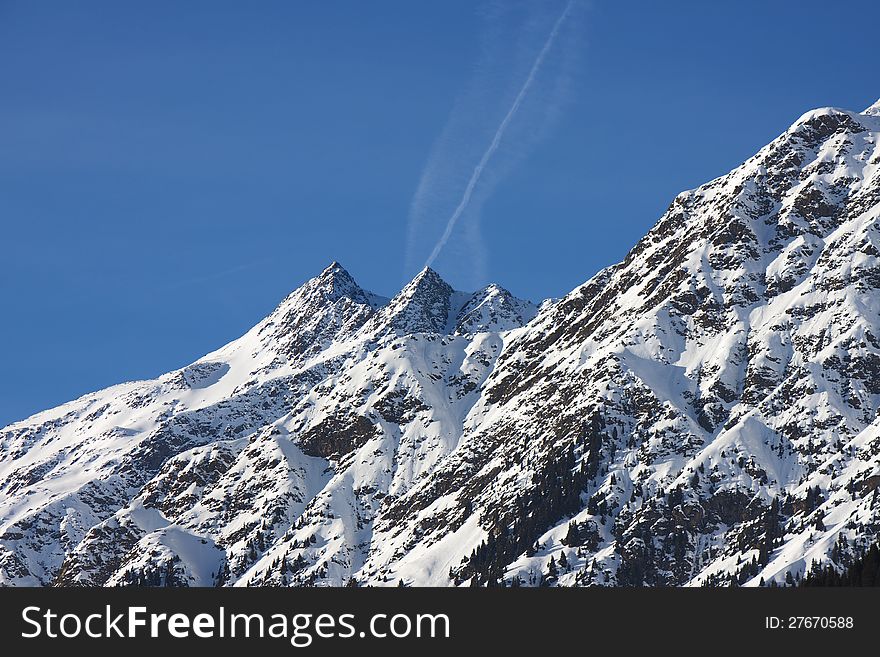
<point x="169" y="171"/>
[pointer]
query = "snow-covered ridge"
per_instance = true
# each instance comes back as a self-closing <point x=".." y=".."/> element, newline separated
<point x="703" y="412"/>
<point x="873" y="110"/>
<point x="429" y="305"/>
<point x="81" y="465"/>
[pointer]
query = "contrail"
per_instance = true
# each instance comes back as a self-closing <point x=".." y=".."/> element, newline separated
<point x="496" y="140"/>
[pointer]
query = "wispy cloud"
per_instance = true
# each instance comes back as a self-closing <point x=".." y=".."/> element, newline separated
<point x="460" y="173"/>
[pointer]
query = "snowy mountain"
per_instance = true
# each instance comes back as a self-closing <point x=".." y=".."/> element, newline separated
<point x="702" y="413"/>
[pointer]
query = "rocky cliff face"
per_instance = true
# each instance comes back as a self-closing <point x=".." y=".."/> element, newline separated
<point x="704" y="412"/>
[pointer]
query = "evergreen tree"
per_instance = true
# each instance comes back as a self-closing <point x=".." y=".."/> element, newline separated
<point x="551" y="569"/>
<point x="555" y="493"/>
<point x="573" y="537"/>
<point x="863" y="570"/>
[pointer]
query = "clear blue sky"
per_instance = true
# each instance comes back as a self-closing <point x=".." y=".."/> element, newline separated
<point x="170" y="170"/>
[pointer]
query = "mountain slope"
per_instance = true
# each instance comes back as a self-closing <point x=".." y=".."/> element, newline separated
<point x="704" y="412"/>
<point x="230" y="451"/>
<point x="730" y="360"/>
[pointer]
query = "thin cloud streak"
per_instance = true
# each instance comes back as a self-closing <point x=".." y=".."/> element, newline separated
<point x="498" y="136"/>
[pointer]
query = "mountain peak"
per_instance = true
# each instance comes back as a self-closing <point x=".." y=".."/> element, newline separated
<point x="821" y="123"/>
<point x="428" y="274"/>
<point x="427" y="283"/>
<point x="336" y="273"/>
<point x="333" y="268"/>
<point x="422" y="306"/>
<point x="493" y="308"/>
<point x="873" y="110"/>
<point x="428" y="304"/>
<point x="335" y="283"/>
